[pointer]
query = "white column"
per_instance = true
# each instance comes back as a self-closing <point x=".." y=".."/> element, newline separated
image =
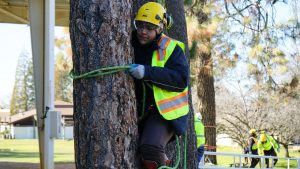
<point x="42" y="38"/>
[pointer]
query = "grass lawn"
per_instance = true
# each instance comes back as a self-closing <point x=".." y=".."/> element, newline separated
<point x="21" y="150"/>
<point x="226" y="160"/>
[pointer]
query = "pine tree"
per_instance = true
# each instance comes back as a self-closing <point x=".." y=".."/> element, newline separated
<point x="63" y="82"/>
<point x="105" y="120"/>
<point x="23" y="97"/>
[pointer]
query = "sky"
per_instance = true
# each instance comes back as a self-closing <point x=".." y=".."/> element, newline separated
<point x="14" y="38"/>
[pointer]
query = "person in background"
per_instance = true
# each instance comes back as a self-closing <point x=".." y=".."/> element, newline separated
<point x="252" y="146"/>
<point x="199" y="129"/>
<point x="161" y="72"/>
<point x="268" y="146"/>
<point x="246" y="150"/>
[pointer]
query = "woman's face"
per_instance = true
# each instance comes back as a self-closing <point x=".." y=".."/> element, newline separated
<point x="146" y="32"/>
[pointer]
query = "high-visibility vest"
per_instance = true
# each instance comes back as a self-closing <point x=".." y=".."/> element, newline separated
<point x="199" y="129"/>
<point x="270" y="142"/>
<point x="171" y="105"/>
<point x="254" y="146"/>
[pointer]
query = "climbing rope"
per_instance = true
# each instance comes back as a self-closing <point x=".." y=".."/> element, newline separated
<point x="178" y="157"/>
<point x="115" y="69"/>
<point x="106" y="71"/>
<point x="99" y="72"/>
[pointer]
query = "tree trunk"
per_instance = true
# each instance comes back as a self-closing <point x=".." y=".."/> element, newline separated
<point x="206" y="91"/>
<point x="178" y="31"/>
<point x="105" y="130"/>
<point x="286" y="150"/>
<point x="206" y="94"/>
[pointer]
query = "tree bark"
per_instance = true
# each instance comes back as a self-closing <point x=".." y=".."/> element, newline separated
<point x="206" y="91"/>
<point x="105" y="130"/>
<point x="206" y="94"/>
<point x="286" y="150"/>
<point x="178" y="31"/>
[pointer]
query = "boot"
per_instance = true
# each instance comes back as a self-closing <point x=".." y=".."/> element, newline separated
<point x="168" y="163"/>
<point x="150" y="164"/>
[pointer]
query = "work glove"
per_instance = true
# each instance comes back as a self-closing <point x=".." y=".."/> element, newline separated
<point x="137" y="71"/>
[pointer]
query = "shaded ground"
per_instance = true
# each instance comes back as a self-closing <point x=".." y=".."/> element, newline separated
<point x="13" y="165"/>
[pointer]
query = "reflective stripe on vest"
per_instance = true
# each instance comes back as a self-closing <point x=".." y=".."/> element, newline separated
<point x="175" y="102"/>
<point x="163" y="44"/>
<point x="171" y="105"/>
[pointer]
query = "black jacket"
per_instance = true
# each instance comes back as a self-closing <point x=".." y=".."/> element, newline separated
<point x="173" y="76"/>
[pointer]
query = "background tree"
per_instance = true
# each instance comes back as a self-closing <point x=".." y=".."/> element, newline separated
<point x="23" y="97"/>
<point x="200" y="34"/>
<point x="249" y="36"/>
<point x="105" y="130"/>
<point x="260" y="41"/>
<point x="63" y="64"/>
<point x="63" y="82"/>
<point x="283" y="124"/>
<point x="178" y="31"/>
<point x="239" y="112"/>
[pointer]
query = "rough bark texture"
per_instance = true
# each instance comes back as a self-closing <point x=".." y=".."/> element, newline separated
<point x="105" y="130"/>
<point x="206" y="91"/>
<point x="206" y="94"/>
<point x="286" y="150"/>
<point x="178" y="31"/>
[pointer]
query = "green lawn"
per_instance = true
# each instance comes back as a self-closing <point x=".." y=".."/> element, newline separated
<point x="27" y="151"/>
<point x="226" y="160"/>
<point x="21" y="150"/>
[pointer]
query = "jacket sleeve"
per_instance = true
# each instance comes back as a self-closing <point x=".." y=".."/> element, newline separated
<point x="174" y="76"/>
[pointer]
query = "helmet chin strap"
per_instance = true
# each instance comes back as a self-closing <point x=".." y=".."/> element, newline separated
<point x="158" y="29"/>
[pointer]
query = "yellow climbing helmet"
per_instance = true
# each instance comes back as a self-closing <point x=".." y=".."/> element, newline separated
<point x="252" y="131"/>
<point x="154" y="13"/>
<point x="263" y="137"/>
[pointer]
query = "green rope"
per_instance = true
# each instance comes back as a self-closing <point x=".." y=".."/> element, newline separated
<point x="115" y="69"/>
<point x="178" y="157"/>
<point x="178" y="154"/>
<point x="99" y="72"/>
<point x="106" y="71"/>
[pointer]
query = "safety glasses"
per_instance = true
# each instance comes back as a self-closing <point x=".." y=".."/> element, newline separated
<point x="144" y="26"/>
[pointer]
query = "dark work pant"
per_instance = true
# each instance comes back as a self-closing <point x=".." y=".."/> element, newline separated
<point x="156" y="133"/>
<point x="254" y="161"/>
<point x="270" y="152"/>
<point x="200" y="152"/>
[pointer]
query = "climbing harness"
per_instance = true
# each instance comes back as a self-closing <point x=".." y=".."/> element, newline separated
<point x="115" y="69"/>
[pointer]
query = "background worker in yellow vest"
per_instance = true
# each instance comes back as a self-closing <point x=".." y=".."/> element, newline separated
<point x="253" y="147"/>
<point x="160" y="63"/>
<point x="199" y="129"/>
<point x="267" y="146"/>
